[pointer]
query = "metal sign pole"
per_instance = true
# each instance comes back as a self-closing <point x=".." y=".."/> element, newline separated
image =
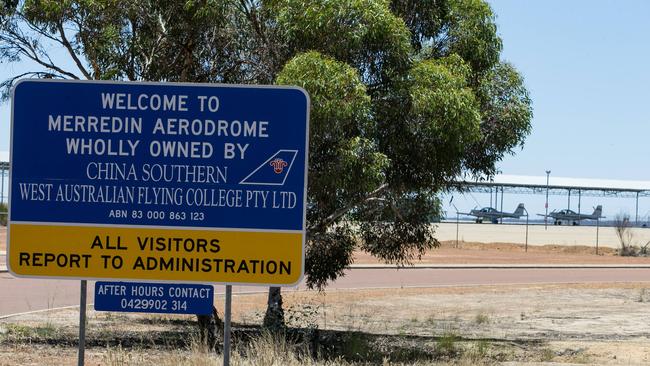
<point x="2" y="191"/>
<point x="82" y="323"/>
<point x="226" y="327"/>
<point x="597" y="227"/>
<point x="526" y="231"/>
<point x="457" y="223"/>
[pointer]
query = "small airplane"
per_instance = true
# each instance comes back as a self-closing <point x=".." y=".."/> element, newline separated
<point x="493" y="214"/>
<point x="572" y="217"/>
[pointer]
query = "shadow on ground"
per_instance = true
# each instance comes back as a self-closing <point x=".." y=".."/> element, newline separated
<point x="348" y="345"/>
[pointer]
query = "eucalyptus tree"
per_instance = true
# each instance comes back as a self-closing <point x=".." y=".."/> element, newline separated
<point x="407" y="95"/>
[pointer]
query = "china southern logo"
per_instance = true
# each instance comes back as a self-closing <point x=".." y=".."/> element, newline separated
<point x="278" y="165"/>
<point x="273" y="171"/>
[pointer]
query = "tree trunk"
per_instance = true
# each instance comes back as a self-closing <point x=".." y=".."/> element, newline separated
<point x="210" y="329"/>
<point x="274" y="317"/>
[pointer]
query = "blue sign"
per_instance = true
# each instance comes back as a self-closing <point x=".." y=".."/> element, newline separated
<point x="158" y="181"/>
<point x="154" y="298"/>
<point x="83" y="149"/>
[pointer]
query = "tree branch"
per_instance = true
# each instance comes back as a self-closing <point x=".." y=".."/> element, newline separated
<point x="40" y="30"/>
<point x="40" y="74"/>
<point x="72" y="53"/>
<point x="5" y="86"/>
<point x="329" y="220"/>
<point x="25" y="48"/>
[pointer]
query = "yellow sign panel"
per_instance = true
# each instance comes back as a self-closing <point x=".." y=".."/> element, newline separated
<point x="155" y="254"/>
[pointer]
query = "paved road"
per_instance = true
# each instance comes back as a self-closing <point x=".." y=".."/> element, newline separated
<point x="21" y="295"/>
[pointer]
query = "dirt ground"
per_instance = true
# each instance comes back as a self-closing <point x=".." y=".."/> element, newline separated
<point x="508" y="253"/>
<point x="518" y="325"/>
<point x="538" y="234"/>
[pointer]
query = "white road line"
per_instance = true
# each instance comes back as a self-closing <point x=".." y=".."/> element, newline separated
<point x="502" y="266"/>
<point x="484" y="266"/>
<point x="92" y="304"/>
<point x="39" y="311"/>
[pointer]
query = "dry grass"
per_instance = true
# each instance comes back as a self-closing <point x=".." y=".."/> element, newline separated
<point x="269" y="350"/>
<point x="481" y="325"/>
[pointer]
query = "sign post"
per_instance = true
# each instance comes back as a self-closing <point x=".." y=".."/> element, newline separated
<point x="82" y="323"/>
<point x="158" y="181"/>
<point x="226" y="326"/>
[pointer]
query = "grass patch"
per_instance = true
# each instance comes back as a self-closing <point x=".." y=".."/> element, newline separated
<point x="481" y="319"/>
<point x="479" y="351"/>
<point x="253" y="346"/>
<point x="546" y="355"/>
<point x="22" y="333"/>
<point x="273" y="350"/>
<point x="446" y="344"/>
<point x="581" y="359"/>
<point x="643" y="295"/>
<point x="356" y="347"/>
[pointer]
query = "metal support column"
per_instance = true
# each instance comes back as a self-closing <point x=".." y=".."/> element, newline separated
<point x="490" y="196"/>
<point x="548" y="173"/>
<point x="597" y="227"/>
<point x="2" y="187"/>
<point x="636" y="217"/>
<point x="502" y="204"/>
<point x="457" y="224"/>
<point x="526" y="230"/>
<point x="579" y="199"/>
<point x="568" y="204"/>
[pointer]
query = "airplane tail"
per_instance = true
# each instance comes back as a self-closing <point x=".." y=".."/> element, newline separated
<point x="519" y="211"/>
<point x="598" y="212"/>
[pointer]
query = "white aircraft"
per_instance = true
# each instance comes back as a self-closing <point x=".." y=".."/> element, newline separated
<point x="493" y="214"/>
<point x="572" y="217"/>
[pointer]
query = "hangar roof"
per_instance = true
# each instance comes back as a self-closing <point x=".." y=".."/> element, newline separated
<point x="564" y="183"/>
<point x="577" y="183"/>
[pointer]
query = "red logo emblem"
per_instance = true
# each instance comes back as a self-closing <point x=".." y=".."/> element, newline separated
<point x="278" y="165"/>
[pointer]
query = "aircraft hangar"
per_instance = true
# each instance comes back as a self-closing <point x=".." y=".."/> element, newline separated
<point x="572" y="188"/>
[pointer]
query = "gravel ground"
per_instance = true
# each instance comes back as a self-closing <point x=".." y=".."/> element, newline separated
<point x="556" y="324"/>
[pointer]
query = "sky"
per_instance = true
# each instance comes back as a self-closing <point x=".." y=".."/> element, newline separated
<point x="585" y="64"/>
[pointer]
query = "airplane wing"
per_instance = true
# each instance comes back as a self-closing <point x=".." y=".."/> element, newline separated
<point x="590" y="217"/>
